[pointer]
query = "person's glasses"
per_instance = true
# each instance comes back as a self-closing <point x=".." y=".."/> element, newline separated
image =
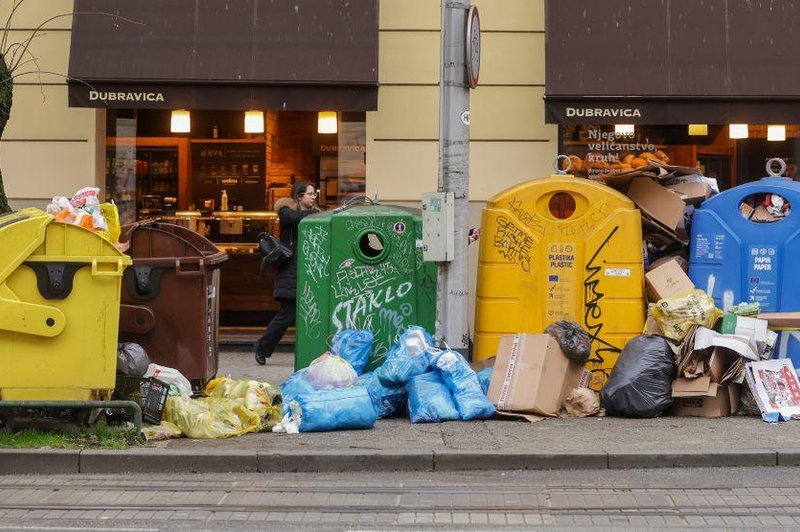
<point x="313" y="194"/>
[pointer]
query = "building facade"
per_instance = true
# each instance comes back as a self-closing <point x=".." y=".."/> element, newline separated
<point x="50" y="148"/>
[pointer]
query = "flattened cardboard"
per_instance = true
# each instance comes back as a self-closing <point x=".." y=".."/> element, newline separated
<point x="666" y="280"/>
<point x="692" y="193"/>
<point x="781" y="320"/>
<point x="657" y="202"/>
<point x="683" y="387"/>
<point x="753" y="328"/>
<point x="532" y="375"/>
<point x="705" y="338"/>
<point x="651" y="325"/>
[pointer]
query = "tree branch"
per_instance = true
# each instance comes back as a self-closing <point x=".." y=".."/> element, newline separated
<point x="38" y="28"/>
<point x="17" y="3"/>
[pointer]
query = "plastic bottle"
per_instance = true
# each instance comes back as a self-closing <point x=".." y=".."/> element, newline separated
<point x="223" y="202"/>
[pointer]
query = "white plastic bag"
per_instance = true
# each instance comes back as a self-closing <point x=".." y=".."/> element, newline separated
<point x="178" y="383"/>
<point x="330" y="371"/>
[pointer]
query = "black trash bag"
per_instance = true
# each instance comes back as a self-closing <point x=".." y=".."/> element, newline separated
<point x="641" y="381"/>
<point x="132" y="360"/>
<point x="574" y="341"/>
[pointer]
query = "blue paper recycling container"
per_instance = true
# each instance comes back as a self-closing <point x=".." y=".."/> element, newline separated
<point x="736" y="259"/>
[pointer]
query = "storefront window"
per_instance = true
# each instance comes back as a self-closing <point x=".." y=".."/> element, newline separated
<point x="603" y="150"/>
<point x="151" y="171"/>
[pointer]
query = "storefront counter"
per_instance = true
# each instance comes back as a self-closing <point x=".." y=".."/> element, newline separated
<point x="245" y="292"/>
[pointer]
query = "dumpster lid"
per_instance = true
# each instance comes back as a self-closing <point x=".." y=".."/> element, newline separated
<point x="169" y="241"/>
<point x="21" y="233"/>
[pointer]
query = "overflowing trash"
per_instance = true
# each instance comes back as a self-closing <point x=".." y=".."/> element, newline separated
<point x="84" y="209"/>
<point x="641" y="382"/>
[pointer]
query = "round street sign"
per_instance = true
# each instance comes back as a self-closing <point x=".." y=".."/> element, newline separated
<point x="473" y="46"/>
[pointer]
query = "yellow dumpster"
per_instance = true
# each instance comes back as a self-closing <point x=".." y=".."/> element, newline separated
<point x="561" y="248"/>
<point x="59" y="310"/>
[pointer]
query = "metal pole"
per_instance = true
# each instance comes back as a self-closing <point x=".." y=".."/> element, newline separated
<point x="453" y="288"/>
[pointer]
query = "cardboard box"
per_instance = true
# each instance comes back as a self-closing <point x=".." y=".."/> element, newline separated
<point x="692" y="193"/>
<point x="714" y="401"/>
<point x="753" y="328"/>
<point x="661" y="204"/>
<point x="682" y="262"/>
<point x="532" y="375"/>
<point x="717" y="391"/>
<point x="666" y="280"/>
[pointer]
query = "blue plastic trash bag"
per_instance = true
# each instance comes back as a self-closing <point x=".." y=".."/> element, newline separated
<point x="408" y="358"/>
<point x="337" y="409"/>
<point x="463" y="383"/>
<point x="485" y="376"/>
<point x="296" y="384"/>
<point x="388" y="401"/>
<point x="354" y="346"/>
<point x="429" y="400"/>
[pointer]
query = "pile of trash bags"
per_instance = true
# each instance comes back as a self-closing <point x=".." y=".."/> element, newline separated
<point x="228" y="407"/>
<point x="432" y="385"/>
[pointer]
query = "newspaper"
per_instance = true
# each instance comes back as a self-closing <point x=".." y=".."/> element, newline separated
<point x="775" y="386"/>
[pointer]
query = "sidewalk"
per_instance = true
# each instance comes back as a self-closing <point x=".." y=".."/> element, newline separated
<point x="396" y="444"/>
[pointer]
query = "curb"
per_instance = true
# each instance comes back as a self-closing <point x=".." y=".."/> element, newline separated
<point x="58" y="461"/>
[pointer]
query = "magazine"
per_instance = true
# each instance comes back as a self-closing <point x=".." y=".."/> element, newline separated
<point x="775" y="386"/>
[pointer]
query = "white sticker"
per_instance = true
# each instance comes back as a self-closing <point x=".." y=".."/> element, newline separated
<point x="618" y="272"/>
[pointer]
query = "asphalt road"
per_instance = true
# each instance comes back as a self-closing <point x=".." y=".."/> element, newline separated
<point x="671" y="499"/>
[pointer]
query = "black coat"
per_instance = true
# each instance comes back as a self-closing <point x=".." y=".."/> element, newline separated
<point x="289" y="215"/>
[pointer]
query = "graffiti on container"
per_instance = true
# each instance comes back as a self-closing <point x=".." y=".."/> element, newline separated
<point x="356" y="312"/>
<point x="514" y="244"/>
<point x="527" y="218"/>
<point x="310" y="313"/>
<point x="316" y="255"/>
<point x="361" y="222"/>
<point x="350" y="282"/>
<point x="585" y="224"/>
<point x="593" y="315"/>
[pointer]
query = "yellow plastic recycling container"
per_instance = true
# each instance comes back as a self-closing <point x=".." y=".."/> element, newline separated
<point x="561" y="248"/>
<point x="59" y="310"/>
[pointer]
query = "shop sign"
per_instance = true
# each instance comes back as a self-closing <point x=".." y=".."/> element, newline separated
<point x="120" y="96"/>
<point x="601" y="112"/>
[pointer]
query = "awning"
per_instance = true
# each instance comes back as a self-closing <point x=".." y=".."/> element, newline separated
<point x="247" y="54"/>
<point x="675" y="62"/>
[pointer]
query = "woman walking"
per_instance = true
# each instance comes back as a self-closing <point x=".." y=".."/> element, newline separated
<point x="290" y="211"/>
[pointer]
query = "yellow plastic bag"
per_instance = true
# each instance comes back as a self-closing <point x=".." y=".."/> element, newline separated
<point x="164" y="431"/>
<point x="111" y="214"/>
<point x="211" y="417"/>
<point x="260" y="397"/>
<point x="677" y="314"/>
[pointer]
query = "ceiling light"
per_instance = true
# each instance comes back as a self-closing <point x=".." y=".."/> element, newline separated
<point x="180" y="122"/>
<point x="254" y="122"/>
<point x="326" y="122"/>
<point x="738" y="131"/>
<point x="776" y="133"/>
<point x="624" y="130"/>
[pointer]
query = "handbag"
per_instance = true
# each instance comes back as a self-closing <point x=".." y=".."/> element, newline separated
<point x="274" y="252"/>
